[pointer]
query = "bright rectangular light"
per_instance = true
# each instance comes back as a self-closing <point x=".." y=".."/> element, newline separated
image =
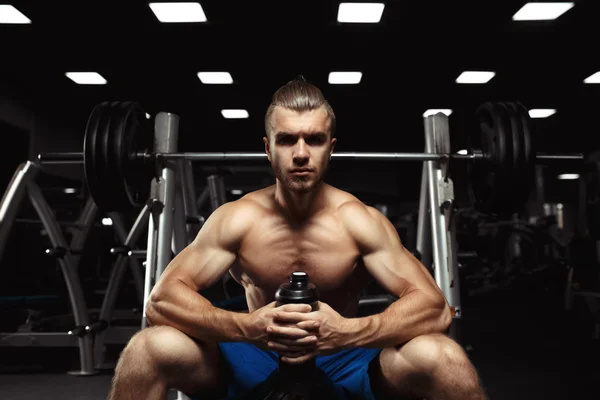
<point x="475" y="77"/>
<point x="10" y="15"/>
<point x="594" y="78"/>
<point x="178" y="12"/>
<point x="360" y="12"/>
<point x="237" y="192"/>
<point x="565" y="177"/>
<point x="433" y="111"/>
<point x="352" y="78"/>
<point x="541" y="112"/>
<point x="234" y="114"/>
<point x="86" y="78"/>
<point x="541" y="11"/>
<point x="215" y="77"/>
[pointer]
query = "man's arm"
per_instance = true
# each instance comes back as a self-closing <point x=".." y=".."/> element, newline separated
<point x="175" y="300"/>
<point x="421" y="307"/>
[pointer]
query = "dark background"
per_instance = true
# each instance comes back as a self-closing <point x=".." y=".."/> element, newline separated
<point x="409" y="61"/>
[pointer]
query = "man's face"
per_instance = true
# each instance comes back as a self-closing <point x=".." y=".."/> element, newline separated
<point x="299" y="148"/>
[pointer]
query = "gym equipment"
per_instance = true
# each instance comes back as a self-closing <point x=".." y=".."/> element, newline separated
<point x="67" y="255"/>
<point x="187" y="224"/>
<point x="113" y="129"/>
<point x="436" y="240"/>
<point x="120" y="160"/>
<point x="500" y="181"/>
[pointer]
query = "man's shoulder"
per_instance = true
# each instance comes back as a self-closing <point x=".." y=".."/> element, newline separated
<point x="349" y="206"/>
<point x="361" y="221"/>
<point x="256" y="200"/>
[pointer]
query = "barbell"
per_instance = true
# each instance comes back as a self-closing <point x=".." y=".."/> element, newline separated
<point x="119" y="162"/>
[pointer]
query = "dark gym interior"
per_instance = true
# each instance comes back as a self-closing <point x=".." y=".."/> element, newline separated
<point x="529" y="279"/>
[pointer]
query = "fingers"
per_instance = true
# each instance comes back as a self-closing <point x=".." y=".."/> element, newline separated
<point x="303" y="308"/>
<point x="287" y="332"/>
<point x="290" y="359"/>
<point x="281" y="343"/>
<point x="308" y="325"/>
<point x="292" y="354"/>
<point x="292" y="316"/>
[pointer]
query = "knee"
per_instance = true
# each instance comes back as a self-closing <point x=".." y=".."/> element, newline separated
<point x="431" y="353"/>
<point x="159" y="348"/>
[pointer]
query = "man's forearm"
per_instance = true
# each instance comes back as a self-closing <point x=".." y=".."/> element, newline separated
<point x="412" y="315"/>
<point x="181" y="307"/>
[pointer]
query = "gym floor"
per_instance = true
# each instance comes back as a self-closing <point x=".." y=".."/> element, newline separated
<point x="522" y="342"/>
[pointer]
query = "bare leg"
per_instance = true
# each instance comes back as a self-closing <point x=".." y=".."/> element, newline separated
<point x="159" y="358"/>
<point x="433" y="367"/>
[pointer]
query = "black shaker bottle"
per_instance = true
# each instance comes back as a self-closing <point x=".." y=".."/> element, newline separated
<point x="297" y="378"/>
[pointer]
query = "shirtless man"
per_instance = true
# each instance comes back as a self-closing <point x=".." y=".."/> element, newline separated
<point x="299" y="224"/>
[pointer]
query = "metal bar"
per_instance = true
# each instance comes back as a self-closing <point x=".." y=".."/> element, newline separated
<point x="12" y="199"/>
<point x="150" y="254"/>
<point x="60" y="158"/>
<point x="71" y="276"/>
<point x="443" y="260"/>
<point x="547" y="156"/>
<point x="166" y="130"/>
<point x="192" y="212"/>
<point x="129" y="239"/>
<point x="424" y="222"/>
<point x="180" y="237"/>
<point x="262" y="156"/>
<point x="77" y="158"/>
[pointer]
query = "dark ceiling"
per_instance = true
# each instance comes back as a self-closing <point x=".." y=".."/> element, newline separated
<point x="409" y="61"/>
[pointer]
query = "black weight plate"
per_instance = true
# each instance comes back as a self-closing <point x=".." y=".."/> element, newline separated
<point x="137" y="173"/>
<point x="111" y="173"/>
<point x="118" y="196"/>
<point x="89" y="147"/>
<point x="105" y="188"/>
<point x="507" y="163"/>
<point x="487" y="185"/>
<point x="513" y="137"/>
<point x="93" y="159"/>
<point x="528" y="146"/>
<point x="520" y="188"/>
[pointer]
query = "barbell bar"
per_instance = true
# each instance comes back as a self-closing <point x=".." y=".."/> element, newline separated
<point x="119" y="159"/>
<point x="77" y="158"/>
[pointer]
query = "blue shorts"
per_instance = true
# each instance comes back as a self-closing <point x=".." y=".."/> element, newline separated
<point x="249" y="366"/>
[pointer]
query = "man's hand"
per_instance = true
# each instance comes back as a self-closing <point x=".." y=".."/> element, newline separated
<point x="300" y="335"/>
<point x="264" y="327"/>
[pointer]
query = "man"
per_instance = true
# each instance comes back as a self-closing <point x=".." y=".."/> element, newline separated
<point x="299" y="224"/>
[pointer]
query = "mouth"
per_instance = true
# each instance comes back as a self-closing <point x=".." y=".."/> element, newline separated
<point x="300" y="171"/>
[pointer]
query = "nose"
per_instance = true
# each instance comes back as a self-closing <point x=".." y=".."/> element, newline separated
<point x="301" y="154"/>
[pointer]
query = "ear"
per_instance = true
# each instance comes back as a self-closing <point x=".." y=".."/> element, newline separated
<point x="267" y="148"/>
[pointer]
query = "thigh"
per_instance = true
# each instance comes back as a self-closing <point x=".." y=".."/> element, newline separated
<point x="349" y="369"/>
<point x="246" y="367"/>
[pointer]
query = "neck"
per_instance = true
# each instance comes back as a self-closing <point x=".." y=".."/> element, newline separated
<point x="300" y="206"/>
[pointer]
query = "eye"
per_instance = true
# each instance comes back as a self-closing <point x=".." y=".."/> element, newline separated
<point x="285" y="140"/>
<point x="316" y="140"/>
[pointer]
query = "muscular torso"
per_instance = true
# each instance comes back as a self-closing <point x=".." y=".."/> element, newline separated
<point x="320" y="246"/>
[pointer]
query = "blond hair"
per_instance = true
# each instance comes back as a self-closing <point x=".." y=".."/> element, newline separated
<point x="299" y="95"/>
